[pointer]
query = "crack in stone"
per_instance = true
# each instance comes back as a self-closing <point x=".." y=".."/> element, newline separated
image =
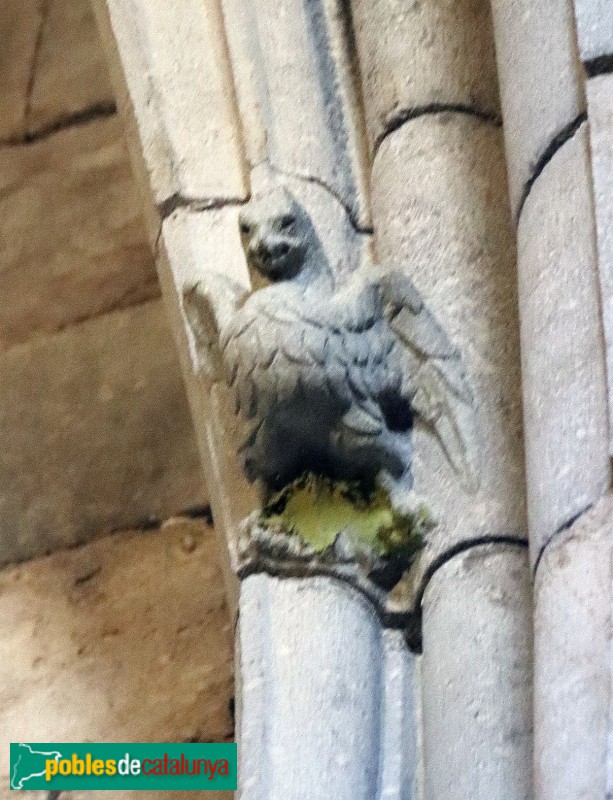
<point x="45" y="8"/>
<point x="600" y="65"/>
<point x="199" y="512"/>
<point x="392" y="619"/>
<point x="177" y="200"/>
<point x="405" y="115"/>
<point x="198" y="737"/>
<point x="145" y="525"/>
<point x="146" y="292"/>
<point x="83" y="116"/>
<point x="563" y="527"/>
<point x="408" y="620"/>
<point x="458" y="549"/>
<point x="360" y="229"/>
<point x="154" y="523"/>
<point x="558" y="141"/>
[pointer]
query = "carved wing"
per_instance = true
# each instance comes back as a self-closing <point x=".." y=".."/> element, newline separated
<point x="434" y="373"/>
<point x="209" y="305"/>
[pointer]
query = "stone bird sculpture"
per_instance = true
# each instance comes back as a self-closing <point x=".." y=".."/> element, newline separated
<point x="329" y="378"/>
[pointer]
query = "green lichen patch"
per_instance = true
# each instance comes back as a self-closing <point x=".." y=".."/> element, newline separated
<point x="317" y="509"/>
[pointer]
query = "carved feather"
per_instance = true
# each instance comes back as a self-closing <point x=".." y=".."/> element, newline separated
<point x="441" y="395"/>
<point x="207" y="304"/>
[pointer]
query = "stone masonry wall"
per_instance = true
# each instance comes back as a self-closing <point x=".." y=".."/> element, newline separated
<point x="111" y="637"/>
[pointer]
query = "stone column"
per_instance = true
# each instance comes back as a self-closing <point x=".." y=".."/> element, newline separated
<point x="440" y="213"/>
<point x="327" y="696"/>
<point x="594" y="20"/>
<point x="564" y="388"/>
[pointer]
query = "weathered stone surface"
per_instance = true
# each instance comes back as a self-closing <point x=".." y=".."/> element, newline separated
<point x="72" y="241"/>
<point x="400" y="772"/>
<point x="194" y="244"/>
<point x="456" y="244"/>
<point x="541" y="81"/>
<point x="563" y="363"/>
<point x="309" y="648"/>
<point x="572" y="597"/>
<point x="201" y="242"/>
<point x="418" y="54"/>
<point x="600" y="104"/>
<point x="477" y="677"/>
<point x="594" y="28"/>
<point x="95" y="432"/>
<point x="71" y="73"/>
<point x="297" y="95"/>
<point x="124" y="639"/>
<point x="171" y="76"/>
<point x="20" y="22"/>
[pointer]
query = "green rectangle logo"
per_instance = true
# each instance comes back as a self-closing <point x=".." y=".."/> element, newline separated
<point x="122" y="766"/>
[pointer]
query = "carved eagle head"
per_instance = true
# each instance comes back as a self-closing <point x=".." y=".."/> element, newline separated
<point x="275" y="233"/>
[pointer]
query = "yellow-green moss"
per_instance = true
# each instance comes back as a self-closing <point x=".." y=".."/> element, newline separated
<point x="317" y="509"/>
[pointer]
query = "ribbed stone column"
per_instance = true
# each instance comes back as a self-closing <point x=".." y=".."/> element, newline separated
<point x="594" y="20"/>
<point x="326" y="695"/>
<point x="440" y="212"/>
<point x="564" y="388"/>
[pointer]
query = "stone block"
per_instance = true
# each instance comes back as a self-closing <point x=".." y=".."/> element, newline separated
<point x="572" y="604"/>
<point x="170" y="70"/>
<point x="71" y="73"/>
<point x="477" y="677"/>
<point x="73" y="243"/>
<point x="441" y="214"/>
<point x="563" y="362"/>
<point x="427" y="53"/>
<point x="200" y="243"/>
<point x="594" y="28"/>
<point x="541" y="81"/>
<point x="20" y="22"/>
<point x="194" y="244"/>
<point x="124" y="639"/>
<point x="96" y="433"/>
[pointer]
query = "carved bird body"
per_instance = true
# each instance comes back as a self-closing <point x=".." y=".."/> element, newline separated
<point x="330" y="379"/>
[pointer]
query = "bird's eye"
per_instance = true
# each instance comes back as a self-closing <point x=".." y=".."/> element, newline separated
<point x="287" y="221"/>
<point x="245" y="228"/>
